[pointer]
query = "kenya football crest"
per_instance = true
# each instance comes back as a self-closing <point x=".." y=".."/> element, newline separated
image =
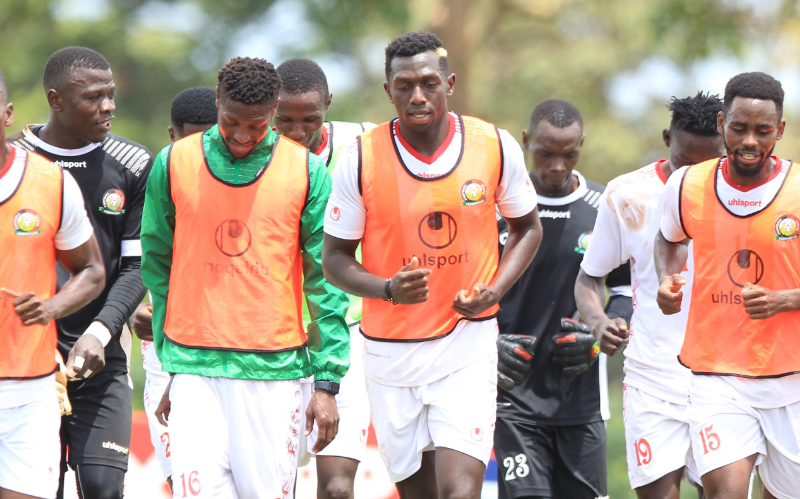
<point x="583" y="242"/>
<point x="26" y="223"/>
<point x="473" y="192"/>
<point x="113" y="202"/>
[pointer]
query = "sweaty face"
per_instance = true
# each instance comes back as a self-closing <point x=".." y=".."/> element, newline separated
<point x="300" y="116"/>
<point x="419" y="91"/>
<point x="750" y="129"/>
<point x="688" y="149"/>
<point x="243" y="126"/>
<point x="87" y="104"/>
<point x="555" y="152"/>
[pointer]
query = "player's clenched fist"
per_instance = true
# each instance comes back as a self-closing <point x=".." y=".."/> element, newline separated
<point x="30" y="308"/>
<point x="87" y="358"/>
<point x="410" y="284"/>
<point x="476" y="301"/>
<point x="514" y="357"/>
<point x="670" y="295"/>
<point x="612" y="335"/>
<point x="143" y="321"/>
<point x="575" y="348"/>
<point x="763" y="303"/>
<point x="322" y="409"/>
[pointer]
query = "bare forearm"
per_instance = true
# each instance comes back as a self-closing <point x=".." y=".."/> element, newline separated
<point x="85" y="286"/>
<point x="670" y="258"/>
<point x="343" y="271"/>
<point x="523" y="241"/>
<point x="590" y="298"/>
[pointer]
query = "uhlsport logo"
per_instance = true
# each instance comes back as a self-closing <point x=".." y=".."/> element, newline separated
<point x="113" y="202"/>
<point x="438" y="230"/>
<point x="745" y="266"/>
<point x="335" y="214"/>
<point x="473" y="192"/>
<point x="787" y="227"/>
<point x="233" y="238"/>
<point x="583" y="242"/>
<point x="26" y="223"/>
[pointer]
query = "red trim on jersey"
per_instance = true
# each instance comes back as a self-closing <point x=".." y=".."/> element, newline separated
<point x="6" y="167"/>
<point x="660" y="171"/>
<point x="746" y="188"/>
<point x="442" y="148"/>
<point x="325" y="134"/>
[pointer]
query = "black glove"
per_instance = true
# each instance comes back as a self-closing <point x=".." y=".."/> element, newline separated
<point x="514" y="355"/>
<point x="575" y="348"/>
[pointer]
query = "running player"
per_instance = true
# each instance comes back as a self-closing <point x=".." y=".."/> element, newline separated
<point x="420" y="192"/>
<point x="233" y="230"/>
<point x="194" y="110"/>
<point x="112" y="173"/>
<point x="304" y="102"/>
<point x="657" y="436"/>
<point x="550" y="439"/>
<point x="44" y="221"/>
<point x="741" y="214"/>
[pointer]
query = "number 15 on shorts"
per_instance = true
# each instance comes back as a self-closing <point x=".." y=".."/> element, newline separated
<point x="709" y="440"/>
<point x="516" y="466"/>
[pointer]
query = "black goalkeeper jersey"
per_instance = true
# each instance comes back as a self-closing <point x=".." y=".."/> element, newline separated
<point x="112" y="176"/>
<point x="537" y="302"/>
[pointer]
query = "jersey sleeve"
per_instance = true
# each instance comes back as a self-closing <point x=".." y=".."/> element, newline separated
<point x="131" y="244"/>
<point x="75" y="228"/>
<point x="346" y="213"/>
<point x="671" y="225"/>
<point x="516" y="196"/>
<point x="608" y="248"/>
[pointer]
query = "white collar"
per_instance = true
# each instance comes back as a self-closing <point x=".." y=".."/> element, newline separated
<point x="569" y="198"/>
<point x="33" y="139"/>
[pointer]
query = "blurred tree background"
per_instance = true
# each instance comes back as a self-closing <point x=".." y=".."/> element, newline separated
<point x="619" y="61"/>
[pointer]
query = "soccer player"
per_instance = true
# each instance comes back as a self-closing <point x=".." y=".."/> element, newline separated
<point x="419" y="192"/>
<point x="112" y="174"/>
<point x="233" y="231"/>
<point x="657" y="436"/>
<point x="304" y="102"/>
<point x="550" y="438"/>
<point x="194" y="110"/>
<point x="740" y="213"/>
<point x="44" y="220"/>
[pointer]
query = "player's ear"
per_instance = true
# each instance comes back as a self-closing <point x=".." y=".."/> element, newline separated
<point x="9" y="115"/>
<point x="216" y="89"/>
<point x="451" y="85"/>
<point x="526" y="138"/>
<point x="171" y="133"/>
<point x="721" y="122"/>
<point x="54" y="99"/>
<point x="583" y="137"/>
<point x="328" y="104"/>
<point x="665" y="136"/>
<point x="388" y="92"/>
<point x="781" y="127"/>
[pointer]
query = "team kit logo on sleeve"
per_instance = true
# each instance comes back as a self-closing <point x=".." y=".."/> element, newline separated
<point x="113" y="202"/>
<point x="583" y="242"/>
<point x="787" y="227"/>
<point x="473" y="192"/>
<point x="26" y="223"/>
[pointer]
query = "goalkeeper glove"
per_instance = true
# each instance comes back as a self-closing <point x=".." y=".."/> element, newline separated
<point x="514" y="356"/>
<point x="575" y="348"/>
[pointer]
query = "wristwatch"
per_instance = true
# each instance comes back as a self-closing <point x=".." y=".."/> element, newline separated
<point x="331" y="387"/>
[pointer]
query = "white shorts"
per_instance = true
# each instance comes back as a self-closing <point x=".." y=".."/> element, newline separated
<point x="725" y="430"/>
<point x="30" y="446"/>
<point x="154" y="386"/>
<point x="353" y="405"/>
<point x="233" y="438"/>
<point x="456" y="412"/>
<point x="657" y="439"/>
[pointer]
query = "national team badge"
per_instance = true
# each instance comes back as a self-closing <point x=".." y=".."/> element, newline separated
<point x="583" y="242"/>
<point x="26" y="223"/>
<point x="787" y="227"/>
<point x="113" y="202"/>
<point x="473" y="192"/>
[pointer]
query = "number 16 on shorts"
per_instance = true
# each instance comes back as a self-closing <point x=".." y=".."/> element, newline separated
<point x="516" y="466"/>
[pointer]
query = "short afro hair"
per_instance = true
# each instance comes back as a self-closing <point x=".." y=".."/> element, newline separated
<point x="696" y="115"/>
<point x="249" y="80"/>
<point x="59" y="65"/>
<point x="754" y="85"/>
<point x="196" y="105"/>
<point x="558" y="113"/>
<point x="300" y="76"/>
<point x="414" y="43"/>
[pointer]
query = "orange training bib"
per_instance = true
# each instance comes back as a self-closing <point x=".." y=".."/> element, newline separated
<point x="729" y="251"/>
<point x="447" y="222"/>
<point x="236" y="277"/>
<point x="29" y="221"/>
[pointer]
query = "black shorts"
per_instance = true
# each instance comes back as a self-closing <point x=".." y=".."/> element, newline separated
<point x="561" y="462"/>
<point x="99" y="429"/>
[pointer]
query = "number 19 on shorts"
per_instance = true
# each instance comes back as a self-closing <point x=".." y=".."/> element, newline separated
<point x="516" y="466"/>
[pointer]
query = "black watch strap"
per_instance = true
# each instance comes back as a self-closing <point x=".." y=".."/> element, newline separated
<point x="331" y="387"/>
<point x="387" y="289"/>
